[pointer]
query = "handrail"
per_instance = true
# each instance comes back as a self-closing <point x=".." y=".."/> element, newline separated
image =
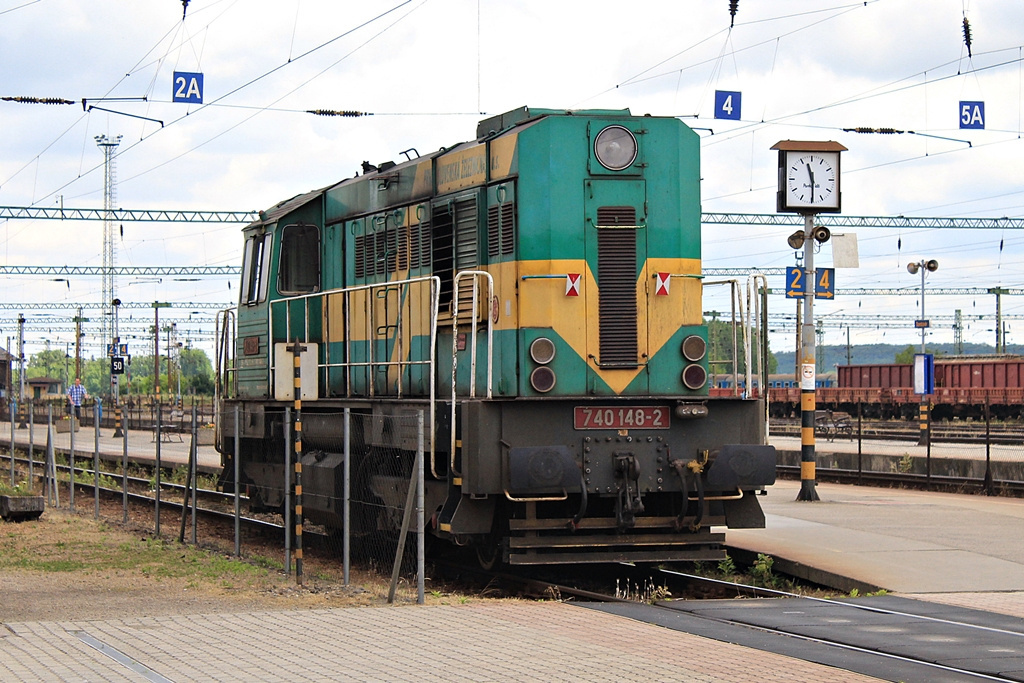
<point x="475" y="275"/>
<point x="226" y="331"/>
<point x="372" y="291"/>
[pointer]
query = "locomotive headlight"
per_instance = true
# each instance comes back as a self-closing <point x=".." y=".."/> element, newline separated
<point x="615" y="147"/>
<point x="694" y="348"/>
<point x="694" y="376"/>
<point x="542" y="379"/>
<point x="542" y="350"/>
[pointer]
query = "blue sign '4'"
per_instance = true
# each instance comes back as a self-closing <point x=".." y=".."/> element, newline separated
<point x="728" y="104"/>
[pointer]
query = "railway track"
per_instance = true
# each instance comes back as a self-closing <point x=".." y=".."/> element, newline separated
<point x="884" y="636"/>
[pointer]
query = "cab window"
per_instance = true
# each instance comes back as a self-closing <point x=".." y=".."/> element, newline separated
<point x="254" y="270"/>
<point x="299" y="271"/>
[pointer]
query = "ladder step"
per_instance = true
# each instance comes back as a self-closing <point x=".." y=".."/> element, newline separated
<point x="588" y="523"/>
<point x="590" y="541"/>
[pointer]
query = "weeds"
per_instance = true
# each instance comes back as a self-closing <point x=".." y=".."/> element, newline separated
<point x="650" y="593"/>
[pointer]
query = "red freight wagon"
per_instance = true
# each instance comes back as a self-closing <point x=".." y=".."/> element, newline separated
<point x="884" y="376"/>
<point x="989" y="374"/>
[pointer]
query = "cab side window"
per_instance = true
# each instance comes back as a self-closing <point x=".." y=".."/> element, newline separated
<point x="299" y="271"/>
<point x="254" y="270"/>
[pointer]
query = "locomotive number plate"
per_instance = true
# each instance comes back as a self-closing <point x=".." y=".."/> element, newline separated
<point x="632" y="417"/>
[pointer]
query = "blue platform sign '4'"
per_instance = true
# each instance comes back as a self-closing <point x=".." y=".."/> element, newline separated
<point x="972" y="115"/>
<point x="727" y="104"/>
<point x="188" y="87"/>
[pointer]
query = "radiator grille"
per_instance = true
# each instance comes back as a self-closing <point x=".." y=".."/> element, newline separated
<point x="616" y="215"/>
<point x="616" y="272"/>
<point x="501" y="232"/>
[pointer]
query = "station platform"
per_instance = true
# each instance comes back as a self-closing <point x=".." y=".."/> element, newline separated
<point x="908" y="542"/>
<point x="142" y="445"/>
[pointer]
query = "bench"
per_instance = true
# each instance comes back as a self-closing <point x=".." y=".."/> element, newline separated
<point x="172" y="425"/>
<point x="831" y="424"/>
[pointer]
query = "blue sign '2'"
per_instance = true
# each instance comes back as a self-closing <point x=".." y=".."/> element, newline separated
<point x="188" y="87"/>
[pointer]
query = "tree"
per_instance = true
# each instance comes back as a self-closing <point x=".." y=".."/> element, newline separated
<point x="906" y="356"/>
<point x="196" y="372"/>
<point x="52" y="363"/>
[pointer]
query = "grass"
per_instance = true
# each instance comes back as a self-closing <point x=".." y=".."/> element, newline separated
<point x="71" y="544"/>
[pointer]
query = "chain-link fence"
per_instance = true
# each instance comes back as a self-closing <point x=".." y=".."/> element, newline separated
<point x="357" y="497"/>
<point x="983" y="453"/>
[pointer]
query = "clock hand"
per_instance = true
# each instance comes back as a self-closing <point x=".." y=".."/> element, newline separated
<point x="811" y="174"/>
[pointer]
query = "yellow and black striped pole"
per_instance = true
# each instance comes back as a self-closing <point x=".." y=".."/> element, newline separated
<point x="117" y="420"/>
<point x="297" y="350"/>
<point x="923" y="414"/>
<point x="807" y="372"/>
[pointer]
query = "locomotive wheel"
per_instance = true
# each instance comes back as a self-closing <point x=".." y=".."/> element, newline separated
<point x="488" y="555"/>
<point x="490" y="550"/>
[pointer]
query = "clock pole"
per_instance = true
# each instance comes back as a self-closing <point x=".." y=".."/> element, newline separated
<point x="806" y="369"/>
<point x="809" y="185"/>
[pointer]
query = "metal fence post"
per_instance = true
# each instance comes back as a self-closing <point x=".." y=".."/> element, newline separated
<point x="346" y="497"/>
<point x="238" y="516"/>
<point x="12" y="443"/>
<point x="194" y="458"/>
<point x="419" y="509"/>
<point x="96" y="461"/>
<point x="52" y="492"/>
<point x="124" y="472"/>
<point x="71" y="462"/>
<point x="156" y="491"/>
<point x="989" y="489"/>
<point x="31" y="445"/>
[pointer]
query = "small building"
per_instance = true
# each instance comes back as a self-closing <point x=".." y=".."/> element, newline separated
<point x="6" y="360"/>
<point x="44" y="388"/>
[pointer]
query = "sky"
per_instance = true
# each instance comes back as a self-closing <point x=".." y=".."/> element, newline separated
<point x="428" y="70"/>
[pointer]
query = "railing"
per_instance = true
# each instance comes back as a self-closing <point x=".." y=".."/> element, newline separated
<point x="391" y="326"/>
<point x="226" y="380"/>
<point x="475" y="275"/>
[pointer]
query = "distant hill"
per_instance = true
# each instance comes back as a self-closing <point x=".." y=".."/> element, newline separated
<point x="830" y="356"/>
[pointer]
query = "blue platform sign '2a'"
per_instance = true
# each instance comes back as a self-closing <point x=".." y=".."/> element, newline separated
<point x="188" y="87"/>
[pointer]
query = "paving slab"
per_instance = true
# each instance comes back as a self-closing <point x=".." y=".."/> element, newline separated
<point x="506" y="641"/>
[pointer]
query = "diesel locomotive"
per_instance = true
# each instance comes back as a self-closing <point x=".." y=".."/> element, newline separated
<point x="535" y="293"/>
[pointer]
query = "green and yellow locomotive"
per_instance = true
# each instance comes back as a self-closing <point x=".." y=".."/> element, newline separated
<point x="536" y="293"/>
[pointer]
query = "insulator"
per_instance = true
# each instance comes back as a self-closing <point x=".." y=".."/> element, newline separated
<point x="967" y="36"/>
<point x="734" y="5"/>
<point x="335" y="112"/>
<point x="37" y="100"/>
<point x="887" y="131"/>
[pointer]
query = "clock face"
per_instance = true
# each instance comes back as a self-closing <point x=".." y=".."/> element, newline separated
<point x="812" y="180"/>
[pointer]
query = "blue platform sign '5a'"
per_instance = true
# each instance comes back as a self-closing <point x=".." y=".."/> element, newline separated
<point x="727" y="104"/>
<point x="188" y="87"/>
<point x="972" y="115"/>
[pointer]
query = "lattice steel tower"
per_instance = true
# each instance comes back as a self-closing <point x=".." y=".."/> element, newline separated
<point x="108" y="145"/>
